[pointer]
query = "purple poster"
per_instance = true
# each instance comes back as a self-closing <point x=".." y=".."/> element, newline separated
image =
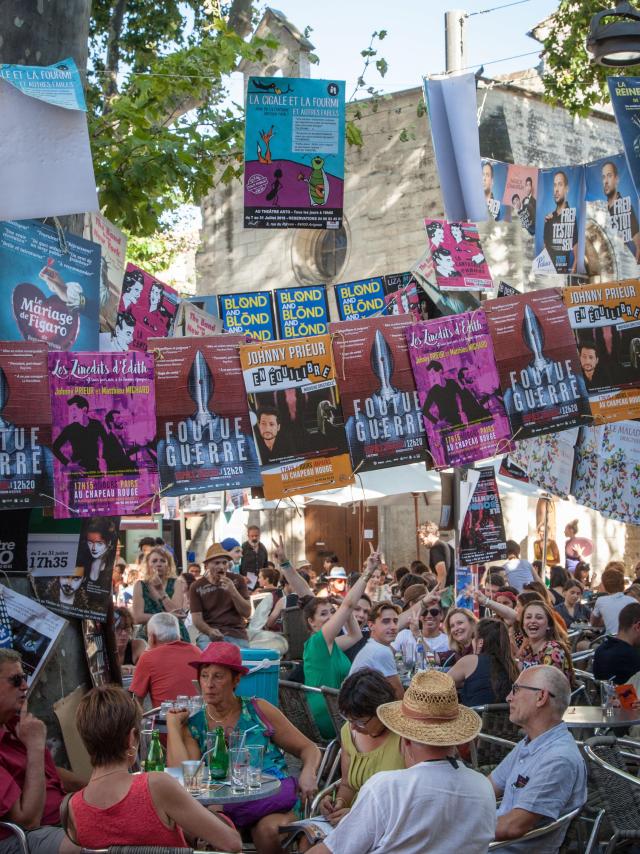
<point x="103" y="412"/>
<point x="458" y="387"/>
<point x="457" y="256"/>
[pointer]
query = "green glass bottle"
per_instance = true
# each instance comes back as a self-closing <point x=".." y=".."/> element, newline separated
<point x="155" y="756"/>
<point x="219" y="757"/>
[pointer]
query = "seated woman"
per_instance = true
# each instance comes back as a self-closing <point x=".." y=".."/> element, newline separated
<point x="460" y="625"/>
<point x="121" y="808"/>
<point x="544" y="641"/>
<point x="557" y="579"/>
<point x="159" y="589"/>
<point x="129" y="649"/>
<point x="571" y="610"/>
<point x="219" y="670"/>
<point x="486" y="676"/>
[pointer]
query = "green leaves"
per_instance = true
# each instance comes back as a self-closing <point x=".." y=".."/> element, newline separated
<point x="354" y="134"/>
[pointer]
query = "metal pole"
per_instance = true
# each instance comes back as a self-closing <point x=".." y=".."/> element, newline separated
<point x="545" y="537"/>
<point x="455" y="26"/>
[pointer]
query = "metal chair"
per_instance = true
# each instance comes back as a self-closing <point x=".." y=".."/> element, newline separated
<point x="145" y="849"/>
<point x="618" y="790"/>
<point x="19" y="834"/>
<point x="331" y="699"/>
<point x="497" y="738"/>
<point x="295" y="631"/>
<point x="562" y="821"/>
<point x="294" y="705"/>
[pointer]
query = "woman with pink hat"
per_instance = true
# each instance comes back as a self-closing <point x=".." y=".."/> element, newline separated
<point x="219" y="670"/>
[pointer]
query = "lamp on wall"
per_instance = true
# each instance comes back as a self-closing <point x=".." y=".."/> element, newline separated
<point x="614" y="36"/>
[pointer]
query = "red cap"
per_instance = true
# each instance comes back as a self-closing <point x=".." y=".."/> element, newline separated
<point x="224" y="654"/>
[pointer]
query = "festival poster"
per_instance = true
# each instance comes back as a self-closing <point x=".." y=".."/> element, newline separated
<point x="606" y="322"/>
<point x="482" y="535"/>
<point x="14" y="529"/>
<point x="35" y="631"/>
<point x="103" y="414"/>
<point x="494" y="179"/>
<point x="52" y="286"/>
<point x="404" y="301"/>
<point x="379" y="398"/>
<point x="609" y="187"/>
<point x="113" y="244"/>
<point x="249" y="314"/>
<point x="147" y="309"/>
<point x="520" y="195"/>
<point x="363" y="298"/>
<point x="86" y="592"/>
<point x="296" y="415"/>
<point x="560" y="221"/>
<point x="437" y="303"/>
<point x="459" y="391"/>
<point x="457" y="256"/>
<point x="302" y="311"/>
<point x="584" y="483"/>
<point x="540" y="374"/>
<point x="625" y="99"/>
<point x="506" y="290"/>
<point x="26" y="462"/>
<point x="547" y="460"/>
<point x="193" y="322"/>
<point x="205" y="441"/>
<point x="294" y="153"/>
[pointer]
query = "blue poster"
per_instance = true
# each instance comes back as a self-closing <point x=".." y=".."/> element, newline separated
<point x="294" y="153"/>
<point x="51" y="285"/>
<point x="494" y="181"/>
<point x="302" y="311"/>
<point x="359" y="299"/>
<point x="625" y="99"/>
<point x="560" y="221"/>
<point x="608" y="181"/>
<point x="58" y="84"/>
<point x="248" y="314"/>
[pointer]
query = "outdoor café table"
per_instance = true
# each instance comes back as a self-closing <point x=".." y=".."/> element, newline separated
<point x="592" y="717"/>
<point x="223" y="795"/>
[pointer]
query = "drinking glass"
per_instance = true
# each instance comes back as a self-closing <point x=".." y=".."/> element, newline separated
<point x="236" y="738"/>
<point x="165" y="707"/>
<point x="182" y="703"/>
<point x="239" y="764"/>
<point x="192" y="776"/>
<point x="256" y="759"/>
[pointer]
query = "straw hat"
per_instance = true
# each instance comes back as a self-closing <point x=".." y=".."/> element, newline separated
<point x="414" y="592"/>
<point x="216" y="550"/>
<point x="430" y="713"/>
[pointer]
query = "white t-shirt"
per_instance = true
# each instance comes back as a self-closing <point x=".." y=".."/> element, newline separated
<point x="519" y="572"/>
<point x="609" y="607"/>
<point x="406" y="643"/>
<point x="377" y="656"/>
<point x="431" y="807"/>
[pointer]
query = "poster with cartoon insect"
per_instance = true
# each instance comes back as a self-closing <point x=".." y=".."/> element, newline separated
<point x="294" y="153"/>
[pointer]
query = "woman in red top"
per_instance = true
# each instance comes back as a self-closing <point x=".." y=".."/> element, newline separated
<point x="120" y="808"/>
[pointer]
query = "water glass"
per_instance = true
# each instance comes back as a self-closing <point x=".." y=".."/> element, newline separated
<point x="181" y="703"/>
<point x="256" y="759"/>
<point x="192" y="776"/>
<point x="165" y="707"/>
<point x="239" y="764"/>
<point x="236" y="738"/>
<point x="195" y="704"/>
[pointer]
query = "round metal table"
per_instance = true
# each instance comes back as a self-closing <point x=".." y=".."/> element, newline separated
<point x="592" y="717"/>
<point x="223" y="795"/>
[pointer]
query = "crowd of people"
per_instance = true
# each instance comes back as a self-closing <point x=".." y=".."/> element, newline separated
<point x="409" y="665"/>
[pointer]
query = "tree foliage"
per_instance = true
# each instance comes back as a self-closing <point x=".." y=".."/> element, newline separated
<point x="570" y="77"/>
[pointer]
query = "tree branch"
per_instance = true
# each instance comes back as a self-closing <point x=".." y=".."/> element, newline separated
<point x="113" y="50"/>
<point x="240" y="17"/>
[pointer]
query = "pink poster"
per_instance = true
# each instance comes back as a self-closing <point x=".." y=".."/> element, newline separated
<point x="457" y="256"/>
<point x="520" y="194"/>
<point x="103" y="414"/>
<point x="147" y="309"/>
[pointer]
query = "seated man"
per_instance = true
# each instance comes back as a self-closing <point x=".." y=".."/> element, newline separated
<point x="437" y="805"/>
<point x="607" y="608"/>
<point x="164" y="671"/>
<point x="31" y="787"/>
<point x="377" y="652"/>
<point x="544" y="776"/>
<point x="618" y="656"/>
<point x="219" y="603"/>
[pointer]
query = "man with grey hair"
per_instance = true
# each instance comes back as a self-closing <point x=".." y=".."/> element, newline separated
<point x="544" y="776"/>
<point x="164" y="671"/>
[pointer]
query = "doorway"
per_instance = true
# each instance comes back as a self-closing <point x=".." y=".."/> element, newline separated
<point x="344" y="531"/>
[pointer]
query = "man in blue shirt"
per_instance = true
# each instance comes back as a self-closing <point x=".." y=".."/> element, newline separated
<point x="544" y="776"/>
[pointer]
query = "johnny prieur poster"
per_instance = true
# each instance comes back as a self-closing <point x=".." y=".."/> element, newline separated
<point x="103" y="411"/>
<point x="294" y="153"/>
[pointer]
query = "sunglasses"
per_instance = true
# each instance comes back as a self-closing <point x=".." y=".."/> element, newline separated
<point x="517" y="687"/>
<point x="433" y="612"/>
<point x="16" y="680"/>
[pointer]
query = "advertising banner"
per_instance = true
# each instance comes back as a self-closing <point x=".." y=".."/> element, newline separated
<point x="540" y="374"/>
<point x="113" y="244"/>
<point x="359" y="299"/>
<point x="520" y="194"/>
<point x="379" y="397"/>
<point x="294" y="153"/>
<point x="296" y="415"/>
<point x="147" y="310"/>
<point x="302" y="311"/>
<point x="458" y="387"/>
<point x="560" y="221"/>
<point x="51" y="289"/>
<point x="35" y="631"/>
<point x="494" y="179"/>
<point x="14" y="528"/>
<point x="248" y="314"/>
<point x="103" y="413"/>
<point x="85" y="592"/>
<point x="193" y="322"/>
<point x="625" y="99"/>
<point x="457" y="256"/>
<point x="609" y="184"/>
<point x="606" y="323"/>
<point x="547" y="460"/>
<point x="26" y="463"/>
<point x="482" y="536"/>
<point x="205" y="441"/>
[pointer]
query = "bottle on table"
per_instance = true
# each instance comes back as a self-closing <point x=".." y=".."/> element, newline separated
<point x="155" y="755"/>
<point x="219" y="756"/>
<point x="420" y="658"/>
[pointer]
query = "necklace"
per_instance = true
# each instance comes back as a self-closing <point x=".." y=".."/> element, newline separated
<point x="213" y="718"/>
<point x="117" y="771"/>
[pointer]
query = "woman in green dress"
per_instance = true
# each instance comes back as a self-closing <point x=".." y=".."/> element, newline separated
<point x="159" y="590"/>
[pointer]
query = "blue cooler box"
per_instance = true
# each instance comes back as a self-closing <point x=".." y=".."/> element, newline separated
<point x="262" y="680"/>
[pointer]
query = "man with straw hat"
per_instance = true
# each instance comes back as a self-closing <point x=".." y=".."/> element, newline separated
<point x="437" y="804"/>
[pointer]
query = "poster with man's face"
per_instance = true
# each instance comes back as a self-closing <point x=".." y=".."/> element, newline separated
<point x="560" y="221"/>
<point x="609" y="186"/>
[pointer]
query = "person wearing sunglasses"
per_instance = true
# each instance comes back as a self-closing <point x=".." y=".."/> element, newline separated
<point x="544" y="776"/>
<point x="31" y="787"/>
